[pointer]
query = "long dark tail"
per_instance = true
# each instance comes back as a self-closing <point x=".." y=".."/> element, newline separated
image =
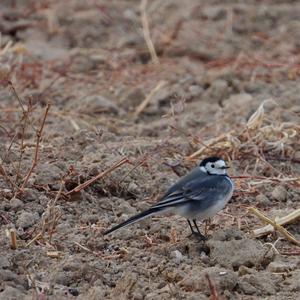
<point x="134" y="219"/>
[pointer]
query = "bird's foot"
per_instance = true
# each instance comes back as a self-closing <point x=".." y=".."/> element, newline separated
<point x="198" y="236"/>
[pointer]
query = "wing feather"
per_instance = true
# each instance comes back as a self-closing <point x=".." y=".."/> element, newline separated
<point x="197" y="190"/>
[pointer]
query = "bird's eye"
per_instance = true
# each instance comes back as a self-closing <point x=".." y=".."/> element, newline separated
<point x="212" y="165"/>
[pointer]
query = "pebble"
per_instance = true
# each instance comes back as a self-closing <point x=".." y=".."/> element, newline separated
<point x="95" y="104"/>
<point x="195" y="90"/>
<point x="243" y="270"/>
<point x="218" y="91"/>
<point x="214" y="12"/>
<point x="176" y="256"/>
<point x="262" y="200"/>
<point x="281" y="267"/>
<point x="30" y="195"/>
<point x="4" y="262"/>
<point x="10" y="292"/>
<point x="26" y="219"/>
<point x="15" y="203"/>
<point x="236" y="253"/>
<point x="279" y="193"/>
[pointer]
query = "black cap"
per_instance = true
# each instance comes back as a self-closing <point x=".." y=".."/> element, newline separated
<point x="209" y="159"/>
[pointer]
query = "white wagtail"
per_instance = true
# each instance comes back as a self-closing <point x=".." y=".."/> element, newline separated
<point x="199" y="195"/>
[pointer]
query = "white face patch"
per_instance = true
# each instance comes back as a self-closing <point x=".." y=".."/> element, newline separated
<point x="216" y="168"/>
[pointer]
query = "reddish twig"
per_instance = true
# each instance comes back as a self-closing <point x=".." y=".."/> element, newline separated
<point x="275" y="179"/>
<point x="212" y="287"/>
<point x="36" y="152"/>
<point x="95" y="178"/>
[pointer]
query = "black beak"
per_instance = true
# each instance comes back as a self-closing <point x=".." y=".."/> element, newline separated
<point x="225" y="167"/>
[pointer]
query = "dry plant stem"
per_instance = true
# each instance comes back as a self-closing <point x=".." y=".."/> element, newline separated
<point x="212" y="287"/>
<point x="195" y="138"/>
<point x="101" y="175"/>
<point x="276" y="226"/>
<point x="139" y="164"/>
<point x="56" y="216"/>
<point x="24" y="126"/>
<point x="38" y="139"/>
<point x="39" y="235"/>
<point x="17" y="96"/>
<point x="54" y="254"/>
<point x="295" y="215"/>
<point x="146" y="32"/>
<point x="295" y="180"/>
<point x="143" y="105"/>
<point x="11" y="234"/>
<point x="209" y="144"/>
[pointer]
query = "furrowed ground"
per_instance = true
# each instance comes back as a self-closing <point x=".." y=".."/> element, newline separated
<point x="103" y="104"/>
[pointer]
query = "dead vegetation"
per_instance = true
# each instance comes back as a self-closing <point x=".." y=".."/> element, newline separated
<point x="96" y="134"/>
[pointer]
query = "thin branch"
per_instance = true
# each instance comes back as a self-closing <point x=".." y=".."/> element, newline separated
<point x="143" y="104"/>
<point x="276" y="226"/>
<point x="38" y="140"/>
<point x="212" y="287"/>
<point x="146" y="32"/>
<point x="100" y="175"/>
<point x="293" y="216"/>
<point x="17" y="96"/>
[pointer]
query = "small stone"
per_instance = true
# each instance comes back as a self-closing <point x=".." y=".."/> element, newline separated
<point x="129" y="14"/>
<point x="30" y="195"/>
<point x="263" y="201"/>
<point x="7" y="275"/>
<point x="236" y="253"/>
<point x="293" y="281"/>
<point x="98" y="58"/>
<point x="97" y="104"/>
<point x="127" y="209"/>
<point x="213" y="12"/>
<point x="176" y="256"/>
<point x="243" y="270"/>
<point x="82" y="64"/>
<point x="137" y="296"/>
<point x="260" y="283"/>
<point x="11" y="293"/>
<point x="223" y="279"/>
<point x="247" y="288"/>
<point x="133" y="99"/>
<point x="204" y="257"/>
<point x="16" y="203"/>
<point x="253" y="87"/>
<point x="195" y="90"/>
<point x="26" y="219"/>
<point x="228" y="234"/>
<point x="73" y="291"/>
<point x="297" y="155"/>
<point x="237" y="100"/>
<point x="47" y="174"/>
<point x="133" y="188"/>
<point x="218" y="91"/>
<point x="4" y="262"/>
<point x="296" y="109"/>
<point x="280" y="267"/>
<point x="279" y="193"/>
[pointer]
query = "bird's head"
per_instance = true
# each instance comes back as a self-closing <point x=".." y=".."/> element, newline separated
<point x="213" y="166"/>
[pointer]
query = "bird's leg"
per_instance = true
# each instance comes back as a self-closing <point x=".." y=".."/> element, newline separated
<point x="193" y="232"/>
<point x="201" y="236"/>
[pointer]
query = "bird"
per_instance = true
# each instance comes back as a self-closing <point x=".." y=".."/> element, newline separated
<point x="199" y="195"/>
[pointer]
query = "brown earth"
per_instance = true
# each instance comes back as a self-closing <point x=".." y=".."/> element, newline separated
<point x="218" y="61"/>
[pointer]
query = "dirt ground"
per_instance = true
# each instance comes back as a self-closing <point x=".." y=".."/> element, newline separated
<point x="224" y="81"/>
